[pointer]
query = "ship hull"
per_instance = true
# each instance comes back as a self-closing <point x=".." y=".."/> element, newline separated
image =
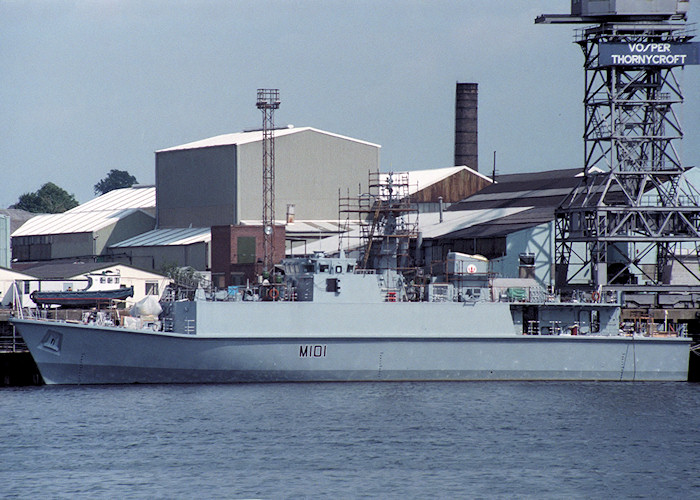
<point x="86" y="354"/>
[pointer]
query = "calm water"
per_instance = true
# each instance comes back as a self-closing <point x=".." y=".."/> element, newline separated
<point x="372" y="440"/>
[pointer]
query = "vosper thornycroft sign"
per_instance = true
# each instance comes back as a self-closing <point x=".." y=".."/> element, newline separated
<point x="648" y="54"/>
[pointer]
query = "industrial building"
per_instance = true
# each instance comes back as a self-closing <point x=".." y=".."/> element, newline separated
<point x="510" y="222"/>
<point x="162" y="248"/>
<point x="218" y="181"/>
<point x="10" y="220"/>
<point x="211" y="182"/>
<point x="87" y="230"/>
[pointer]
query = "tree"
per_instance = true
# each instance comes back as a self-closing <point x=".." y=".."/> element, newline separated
<point x="49" y="199"/>
<point x="115" y="179"/>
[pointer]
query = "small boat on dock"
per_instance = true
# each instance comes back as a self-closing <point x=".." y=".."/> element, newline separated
<point x="81" y="298"/>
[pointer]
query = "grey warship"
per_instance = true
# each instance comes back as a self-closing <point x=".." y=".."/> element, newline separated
<point x="329" y="320"/>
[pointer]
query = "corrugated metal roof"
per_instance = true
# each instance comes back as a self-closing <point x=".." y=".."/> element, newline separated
<point x="76" y="222"/>
<point x="93" y="215"/>
<point x="167" y="237"/>
<point x="252" y="136"/>
<point x="143" y="197"/>
<point x="453" y="222"/>
<point x="515" y="202"/>
<point x="330" y="244"/>
<point x="533" y="189"/>
<point x="305" y="227"/>
<point x="529" y="217"/>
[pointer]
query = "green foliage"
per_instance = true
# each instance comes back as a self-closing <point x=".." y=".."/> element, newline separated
<point x="49" y="199"/>
<point x="115" y="179"/>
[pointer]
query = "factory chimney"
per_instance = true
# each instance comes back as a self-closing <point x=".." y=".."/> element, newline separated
<point x="466" y="125"/>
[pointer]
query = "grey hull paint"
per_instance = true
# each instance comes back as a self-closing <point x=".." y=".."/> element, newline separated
<point x="81" y="354"/>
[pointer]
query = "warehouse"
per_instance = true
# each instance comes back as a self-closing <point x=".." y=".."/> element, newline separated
<point x="510" y="222"/>
<point x="218" y="181"/>
<point x="87" y="230"/>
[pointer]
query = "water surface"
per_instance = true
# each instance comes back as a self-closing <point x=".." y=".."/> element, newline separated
<point x="352" y="440"/>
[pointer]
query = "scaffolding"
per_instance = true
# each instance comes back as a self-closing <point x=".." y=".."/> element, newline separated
<point x="387" y="222"/>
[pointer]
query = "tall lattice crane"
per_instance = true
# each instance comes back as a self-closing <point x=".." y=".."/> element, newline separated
<point x="634" y="212"/>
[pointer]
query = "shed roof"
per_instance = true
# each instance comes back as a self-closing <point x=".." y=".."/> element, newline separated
<point x="503" y="226"/>
<point x="532" y="189"/>
<point x="167" y="237"/>
<point x="302" y="229"/>
<point x="76" y="222"/>
<point x="143" y="197"/>
<point x="456" y="222"/>
<point x="93" y="215"/>
<point x="515" y="202"/>
<point x="239" y="138"/>
<point x="307" y="228"/>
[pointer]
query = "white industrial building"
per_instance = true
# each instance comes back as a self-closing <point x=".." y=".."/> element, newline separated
<point x="218" y="181"/>
<point x="87" y="230"/>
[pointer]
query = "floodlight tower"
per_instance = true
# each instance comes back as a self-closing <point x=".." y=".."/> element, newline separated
<point x="268" y="101"/>
<point x="625" y="224"/>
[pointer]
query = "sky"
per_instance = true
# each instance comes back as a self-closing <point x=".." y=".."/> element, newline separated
<point x="87" y="86"/>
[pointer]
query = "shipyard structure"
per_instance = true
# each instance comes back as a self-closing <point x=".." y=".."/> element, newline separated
<point x="632" y="224"/>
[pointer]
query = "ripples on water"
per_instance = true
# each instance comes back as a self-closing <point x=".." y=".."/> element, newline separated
<point x="372" y="440"/>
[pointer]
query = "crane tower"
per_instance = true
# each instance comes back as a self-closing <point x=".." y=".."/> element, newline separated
<point x="634" y="214"/>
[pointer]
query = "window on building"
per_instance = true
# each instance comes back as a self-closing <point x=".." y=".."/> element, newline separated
<point x="245" y="249"/>
<point x="152" y="288"/>
<point x="237" y="279"/>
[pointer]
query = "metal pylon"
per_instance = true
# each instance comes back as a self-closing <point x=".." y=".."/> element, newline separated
<point x="268" y="101"/>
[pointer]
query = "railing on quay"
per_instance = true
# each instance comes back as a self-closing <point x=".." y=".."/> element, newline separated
<point x="10" y="340"/>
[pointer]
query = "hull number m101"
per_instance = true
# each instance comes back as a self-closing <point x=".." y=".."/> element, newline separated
<point x="312" y="351"/>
